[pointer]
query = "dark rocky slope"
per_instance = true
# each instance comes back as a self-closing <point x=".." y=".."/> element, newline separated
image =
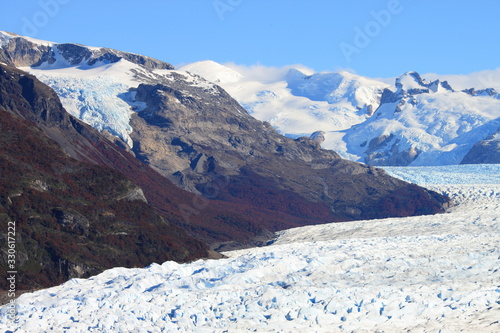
<point x="75" y="219"/>
<point x="251" y="179"/>
<point x="209" y="220"/>
<point x="484" y="152"/>
<point x="196" y="135"/>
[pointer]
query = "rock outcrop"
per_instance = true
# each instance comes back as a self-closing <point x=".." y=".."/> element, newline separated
<point x="75" y="218"/>
<point x="484" y="152"/>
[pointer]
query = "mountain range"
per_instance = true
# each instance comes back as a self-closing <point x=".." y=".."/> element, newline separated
<point x="137" y="161"/>
<point x="408" y="120"/>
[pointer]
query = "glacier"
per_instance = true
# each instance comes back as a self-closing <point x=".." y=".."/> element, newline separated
<point x="102" y="95"/>
<point x="98" y="95"/>
<point x="96" y="85"/>
<point x="424" y="122"/>
<point x="409" y="120"/>
<point x="424" y="274"/>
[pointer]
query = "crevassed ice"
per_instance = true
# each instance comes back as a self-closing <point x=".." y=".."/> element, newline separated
<point x="424" y="274"/>
<point x="96" y="102"/>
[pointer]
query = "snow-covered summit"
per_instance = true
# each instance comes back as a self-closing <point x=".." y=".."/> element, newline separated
<point x="337" y="88"/>
<point x="294" y="99"/>
<point x="413" y="83"/>
<point x="213" y="71"/>
<point x="413" y="121"/>
<point x="93" y="83"/>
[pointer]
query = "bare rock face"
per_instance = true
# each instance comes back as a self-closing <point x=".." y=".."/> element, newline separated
<point x="21" y="52"/>
<point x="251" y="179"/>
<point x="483" y="152"/>
<point x="196" y="134"/>
<point x="378" y="155"/>
<point x="176" y="128"/>
<point x="318" y="136"/>
<point x="135" y="193"/>
<point x="71" y="220"/>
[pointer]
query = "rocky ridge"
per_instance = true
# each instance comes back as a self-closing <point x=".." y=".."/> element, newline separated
<point x="408" y="120"/>
<point x="194" y="133"/>
<point x="21" y="51"/>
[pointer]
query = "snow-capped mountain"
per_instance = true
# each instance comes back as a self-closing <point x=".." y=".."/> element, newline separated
<point x="213" y="72"/>
<point x="298" y="102"/>
<point x="86" y="79"/>
<point x="425" y="123"/>
<point x="418" y="274"/>
<point x="412" y="122"/>
<point x="194" y="133"/>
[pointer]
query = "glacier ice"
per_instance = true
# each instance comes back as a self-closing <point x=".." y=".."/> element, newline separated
<point x="425" y="273"/>
<point x="428" y="122"/>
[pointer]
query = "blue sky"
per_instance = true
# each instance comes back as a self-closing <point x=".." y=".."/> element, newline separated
<point x="377" y="38"/>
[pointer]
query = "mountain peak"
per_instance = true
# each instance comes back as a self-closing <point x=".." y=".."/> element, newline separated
<point x="212" y="71"/>
<point x="412" y="83"/>
<point x="294" y="74"/>
<point x="23" y="51"/>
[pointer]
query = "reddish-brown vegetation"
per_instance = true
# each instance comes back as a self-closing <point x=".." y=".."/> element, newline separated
<point x="68" y="216"/>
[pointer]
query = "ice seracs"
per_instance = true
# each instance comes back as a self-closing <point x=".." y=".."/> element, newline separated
<point x="98" y="95"/>
<point x="424" y="274"/>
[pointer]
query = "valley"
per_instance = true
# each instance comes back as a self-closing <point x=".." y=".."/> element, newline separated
<point x="425" y="273"/>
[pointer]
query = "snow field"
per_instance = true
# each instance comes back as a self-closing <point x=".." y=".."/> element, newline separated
<point x="100" y="95"/>
<point x="419" y="274"/>
<point x="441" y="125"/>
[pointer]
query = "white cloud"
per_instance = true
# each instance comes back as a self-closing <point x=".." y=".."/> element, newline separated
<point x="266" y="74"/>
<point x="479" y="80"/>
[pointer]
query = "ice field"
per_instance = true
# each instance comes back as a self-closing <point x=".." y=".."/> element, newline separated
<point x="437" y="273"/>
